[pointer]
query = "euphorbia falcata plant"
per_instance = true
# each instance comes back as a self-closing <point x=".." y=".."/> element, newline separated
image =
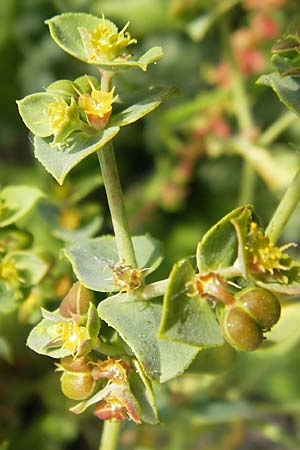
<point x="109" y="351"/>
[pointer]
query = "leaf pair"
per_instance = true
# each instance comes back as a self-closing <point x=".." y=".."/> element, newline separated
<point x="59" y="160"/>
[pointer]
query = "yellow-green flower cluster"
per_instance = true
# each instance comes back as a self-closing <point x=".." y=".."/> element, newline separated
<point x="105" y="42"/>
<point x="69" y="335"/>
<point x="86" y="112"/>
<point x="11" y="277"/>
<point x="263" y="255"/>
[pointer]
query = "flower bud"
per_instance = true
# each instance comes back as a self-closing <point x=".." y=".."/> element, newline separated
<point x="76" y="381"/>
<point x="240" y="329"/>
<point x="76" y="301"/>
<point x="261" y="304"/>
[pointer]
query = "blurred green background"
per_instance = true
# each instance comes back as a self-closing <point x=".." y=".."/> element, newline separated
<point x="181" y="172"/>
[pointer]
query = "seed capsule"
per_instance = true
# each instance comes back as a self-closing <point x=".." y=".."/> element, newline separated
<point x="77" y="385"/>
<point x="76" y="381"/>
<point x="261" y="304"/>
<point x="240" y="330"/>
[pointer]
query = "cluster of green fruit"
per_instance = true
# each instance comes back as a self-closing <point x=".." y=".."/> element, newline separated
<point x="254" y="312"/>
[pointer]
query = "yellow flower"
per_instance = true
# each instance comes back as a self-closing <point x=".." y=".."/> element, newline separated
<point x="64" y="119"/>
<point x="70" y="219"/>
<point x="11" y="277"/>
<point x="98" y="106"/>
<point x="105" y="42"/>
<point x="70" y="335"/>
<point x="263" y="255"/>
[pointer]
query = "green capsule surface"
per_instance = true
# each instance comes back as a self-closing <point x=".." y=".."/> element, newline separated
<point x="261" y="304"/>
<point x="240" y="330"/>
<point x="77" y="385"/>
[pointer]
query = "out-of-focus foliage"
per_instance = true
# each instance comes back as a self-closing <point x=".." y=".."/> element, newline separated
<point x="182" y="171"/>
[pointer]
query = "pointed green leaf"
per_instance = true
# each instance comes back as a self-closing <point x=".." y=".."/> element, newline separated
<point x="218" y="248"/>
<point x="92" y="259"/>
<point x="16" y="201"/>
<point x="59" y="162"/>
<point x="285" y="85"/>
<point x="30" y="267"/>
<point x="93" y="322"/>
<point x="34" y="112"/>
<point x="144" y="102"/>
<point x="65" y="31"/>
<point x="137" y="322"/>
<point x="241" y="225"/>
<point x="142" y="390"/>
<point x="8" y="301"/>
<point x="187" y="319"/>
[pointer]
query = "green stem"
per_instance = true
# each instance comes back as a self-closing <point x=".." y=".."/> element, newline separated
<point x="110" y="435"/>
<point x="285" y="209"/>
<point x="243" y="114"/>
<point x="106" y="156"/>
<point x="114" y="192"/>
<point x="116" y="204"/>
<point x="277" y="127"/>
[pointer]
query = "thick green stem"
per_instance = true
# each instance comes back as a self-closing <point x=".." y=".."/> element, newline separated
<point x="285" y="209"/>
<point x="116" y="204"/>
<point x="110" y="435"/>
<point x="243" y="114"/>
<point x="114" y="192"/>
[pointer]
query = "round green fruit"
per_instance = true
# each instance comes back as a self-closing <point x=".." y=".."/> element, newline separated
<point x="240" y="330"/>
<point x="77" y="385"/>
<point x="261" y="304"/>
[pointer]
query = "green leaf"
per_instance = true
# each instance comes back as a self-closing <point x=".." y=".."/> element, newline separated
<point x="65" y="31"/>
<point x="40" y="340"/>
<point x="286" y="87"/>
<point x="8" y="301"/>
<point x="86" y="231"/>
<point x="144" y="102"/>
<point x="30" y="267"/>
<point x="218" y="248"/>
<point x="84" y="83"/>
<point x="241" y="225"/>
<point x="137" y="322"/>
<point x="16" y="201"/>
<point x="292" y="289"/>
<point x="59" y="162"/>
<point x="142" y="390"/>
<point x="93" y="322"/>
<point x="91" y="259"/>
<point x="61" y="88"/>
<point x="198" y="28"/>
<point x="34" y="112"/>
<point x="187" y="319"/>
